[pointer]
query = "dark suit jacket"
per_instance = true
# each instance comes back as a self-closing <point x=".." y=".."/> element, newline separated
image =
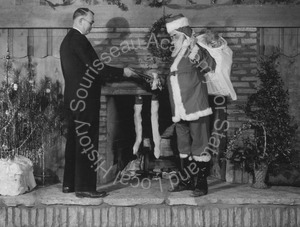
<point x="82" y="70"/>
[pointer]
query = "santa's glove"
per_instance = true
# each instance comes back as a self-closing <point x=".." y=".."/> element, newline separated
<point x="194" y="53"/>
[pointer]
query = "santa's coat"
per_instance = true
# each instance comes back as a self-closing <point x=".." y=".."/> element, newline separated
<point x="188" y="91"/>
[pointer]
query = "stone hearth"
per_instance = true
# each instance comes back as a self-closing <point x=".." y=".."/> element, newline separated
<point x="150" y="204"/>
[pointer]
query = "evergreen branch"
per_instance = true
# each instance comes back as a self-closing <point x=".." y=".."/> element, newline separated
<point x="26" y="139"/>
<point x="10" y="121"/>
<point x="239" y="132"/>
<point x="53" y="6"/>
<point x="118" y="3"/>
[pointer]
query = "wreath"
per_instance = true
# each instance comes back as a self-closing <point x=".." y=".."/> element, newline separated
<point x="158" y="40"/>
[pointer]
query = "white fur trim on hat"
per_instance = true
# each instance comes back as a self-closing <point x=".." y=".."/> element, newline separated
<point x="175" y="24"/>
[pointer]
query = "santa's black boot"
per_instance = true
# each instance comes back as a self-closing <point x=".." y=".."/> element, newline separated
<point x="201" y="187"/>
<point x="183" y="177"/>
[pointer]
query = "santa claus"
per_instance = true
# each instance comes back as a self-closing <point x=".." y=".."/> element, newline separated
<point x="188" y="92"/>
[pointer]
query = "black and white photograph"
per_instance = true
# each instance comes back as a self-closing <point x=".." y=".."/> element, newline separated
<point x="150" y="113"/>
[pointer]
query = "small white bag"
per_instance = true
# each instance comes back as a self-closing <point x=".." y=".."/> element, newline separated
<point x="16" y="176"/>
<point x="218" y="81"/>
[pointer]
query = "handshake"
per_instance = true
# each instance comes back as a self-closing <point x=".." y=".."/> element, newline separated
<point x="153" y="79"/>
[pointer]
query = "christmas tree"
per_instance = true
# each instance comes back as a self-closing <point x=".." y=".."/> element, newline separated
<point x="270" y="105"/>
<point x="28" y="111"/>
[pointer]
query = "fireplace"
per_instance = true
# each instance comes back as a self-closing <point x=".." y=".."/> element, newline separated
<point x="117" y="132"/>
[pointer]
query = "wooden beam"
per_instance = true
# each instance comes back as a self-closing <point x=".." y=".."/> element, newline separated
<point x="141" y="16"/>
<point x="61" y="17"/>
<point x="239" y="15"/>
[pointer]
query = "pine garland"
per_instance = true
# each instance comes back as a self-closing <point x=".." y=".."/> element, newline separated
<point x="70" y="2"/>
<point x="118" y="3"/>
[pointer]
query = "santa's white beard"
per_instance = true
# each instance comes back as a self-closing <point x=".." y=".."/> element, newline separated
<point x="176" y="50"/>
<point x="177" y="45"/>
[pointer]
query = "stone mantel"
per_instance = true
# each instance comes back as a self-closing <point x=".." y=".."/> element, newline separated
<point x="124" y="88"/>
<point x="26" y="16"/>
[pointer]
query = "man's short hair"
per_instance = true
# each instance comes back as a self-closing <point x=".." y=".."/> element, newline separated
<point x="81" y="12"/>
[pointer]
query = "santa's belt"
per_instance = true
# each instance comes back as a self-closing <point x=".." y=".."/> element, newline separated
<point x="173" y="73"/>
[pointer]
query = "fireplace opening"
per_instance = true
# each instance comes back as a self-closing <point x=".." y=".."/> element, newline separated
<point x="117" y="139"/>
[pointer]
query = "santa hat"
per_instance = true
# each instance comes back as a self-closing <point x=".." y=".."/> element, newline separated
<point x="180" y="24"/>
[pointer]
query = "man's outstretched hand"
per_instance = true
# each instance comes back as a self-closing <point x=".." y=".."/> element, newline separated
<point x="129" y="73"/>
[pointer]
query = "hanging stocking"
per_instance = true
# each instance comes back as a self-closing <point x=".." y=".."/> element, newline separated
<point x="155" y="127"/>
<point x="138" y="127"/>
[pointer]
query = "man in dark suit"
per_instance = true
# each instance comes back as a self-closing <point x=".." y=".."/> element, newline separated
<point x="83" y="74"/>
